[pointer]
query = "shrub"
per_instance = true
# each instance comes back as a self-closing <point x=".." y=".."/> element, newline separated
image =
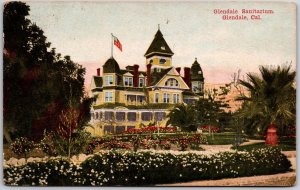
<point x="22" y="146"/>
<point x="79" y="142"/>
<point x="47" y="144"/>
<point x="148" y="168"/>
<point x="166" y="145"/>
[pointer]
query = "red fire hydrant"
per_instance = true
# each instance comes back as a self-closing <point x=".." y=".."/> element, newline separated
<point x="272" y="138"/>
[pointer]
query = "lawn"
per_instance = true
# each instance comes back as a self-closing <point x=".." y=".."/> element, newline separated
<point x="222" y="138"/>
<point x="283" y="145"/>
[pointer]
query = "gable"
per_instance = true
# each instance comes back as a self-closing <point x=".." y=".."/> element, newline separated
<point x="128" y="74"/>
<point x="175" y="75"/>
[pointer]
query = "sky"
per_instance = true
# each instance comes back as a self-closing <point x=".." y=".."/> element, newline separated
<point x="83" y="31"/>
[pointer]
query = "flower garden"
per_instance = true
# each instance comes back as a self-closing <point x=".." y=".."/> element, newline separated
<point x="128" y="168"/>
<point x="138" y="157"/>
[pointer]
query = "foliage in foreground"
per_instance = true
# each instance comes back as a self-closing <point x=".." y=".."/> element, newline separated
<point x="148" y="168"/>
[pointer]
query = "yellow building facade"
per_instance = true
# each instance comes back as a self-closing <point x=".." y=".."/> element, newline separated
<point x="130" y="98"/>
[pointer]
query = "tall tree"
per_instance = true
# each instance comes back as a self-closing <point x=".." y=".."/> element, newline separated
<point x="38" y="82"/>
<point x="271" y="100"/>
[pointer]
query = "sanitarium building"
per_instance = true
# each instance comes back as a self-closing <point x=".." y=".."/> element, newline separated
<point x="130" y="98"/>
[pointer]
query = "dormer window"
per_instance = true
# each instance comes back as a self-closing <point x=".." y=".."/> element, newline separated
<point x="163" y="47"/>
<point x="162" y="61"/>
<point x="108" y="80"/>
<point x="141" y="82"/>
<point x="172" y="82"/>
<point x="128" y="81"/>
<point x="199" y="72"/>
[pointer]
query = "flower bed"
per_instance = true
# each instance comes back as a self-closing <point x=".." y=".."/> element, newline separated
<point x="147" y="168"/>
<point x="132" y="141"/>
<point x="212" y="128"/>
<point x="150" y="129"/>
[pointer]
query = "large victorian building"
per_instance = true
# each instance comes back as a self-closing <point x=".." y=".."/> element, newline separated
<point x="130" y="98"/>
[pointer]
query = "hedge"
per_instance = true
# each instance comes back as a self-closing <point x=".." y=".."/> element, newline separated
<point x="148" y="168"/>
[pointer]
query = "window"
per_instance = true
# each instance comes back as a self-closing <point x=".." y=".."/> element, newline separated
<point x="141" y="99"/>
<point x="108" y="116"/>
<point x="131" y="98"/>
<point x="108" y="80"/>
<point x="162" y="61"/>
<point x="197" y="86"/>
<point x="172" y="82"/>
<point x="159" y="116"/>
<point x="195" y="89"/>
<point x="175" y="98"/>
<point x="108" y="129"/>
<point x="141" y="82"/>
<point x="108" y="96"/>
<point x="97" y="116"/>
<point x="120" y="116"/>
<point x="128" y="81"/>
<point x="201" y="87"/>
<point x="166" y="98"/>
<point x="156" y="98"/>
<point x="189" y="101"/>
<point x="146" y="116"/>
<point x="131" y="116"/>
<point x="120" y="129"/>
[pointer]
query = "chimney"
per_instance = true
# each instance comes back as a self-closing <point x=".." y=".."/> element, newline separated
<point x="149" y="74"/>
<point x="98" y="72"/>
<point x="187" y="76"/>
<point x="135" y="75"/>
<point x="178" y="69"/>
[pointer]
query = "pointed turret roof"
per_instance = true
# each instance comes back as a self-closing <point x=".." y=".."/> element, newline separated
<point x="159" y="46"/>
<point x="196" y="72"/>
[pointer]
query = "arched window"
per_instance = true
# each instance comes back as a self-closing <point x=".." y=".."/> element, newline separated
<point x="172" y="82"/>
<point x="97" y="115"/>
<point x="162" y="61"/>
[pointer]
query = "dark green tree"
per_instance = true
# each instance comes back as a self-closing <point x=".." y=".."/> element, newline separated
<point x="38" y="83"/>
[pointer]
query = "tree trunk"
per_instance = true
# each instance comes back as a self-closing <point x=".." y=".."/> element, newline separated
<point x="69" y="148"/>
<point x="7" y="135"/>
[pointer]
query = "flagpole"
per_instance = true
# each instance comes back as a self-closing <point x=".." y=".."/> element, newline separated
<point x="112" y="45"/>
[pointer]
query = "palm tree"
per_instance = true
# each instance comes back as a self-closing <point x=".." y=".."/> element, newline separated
<point x="271" y="98"/>
<point x="183" y="116"/>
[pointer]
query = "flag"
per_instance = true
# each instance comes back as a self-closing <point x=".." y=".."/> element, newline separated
<point x="117" y="43"/>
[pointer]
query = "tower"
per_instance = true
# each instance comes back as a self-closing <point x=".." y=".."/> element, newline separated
<point x="159" y="54"/>
<point x="197" y="79"/>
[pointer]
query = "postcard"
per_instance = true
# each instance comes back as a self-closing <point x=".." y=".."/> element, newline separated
<point x="149" y="93"/>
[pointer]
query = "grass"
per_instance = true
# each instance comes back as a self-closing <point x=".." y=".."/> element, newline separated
<point x="284" y="146"/>
<point x="222" y="138"/>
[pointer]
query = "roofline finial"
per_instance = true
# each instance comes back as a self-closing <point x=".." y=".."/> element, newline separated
<point x="195" y="58"/>
<point x="158" y="27"/>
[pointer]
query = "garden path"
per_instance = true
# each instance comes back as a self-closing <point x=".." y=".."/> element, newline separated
<point x="283" y="179"/>
<point x="252" y="142"/>
<point x="227" y="147"/>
